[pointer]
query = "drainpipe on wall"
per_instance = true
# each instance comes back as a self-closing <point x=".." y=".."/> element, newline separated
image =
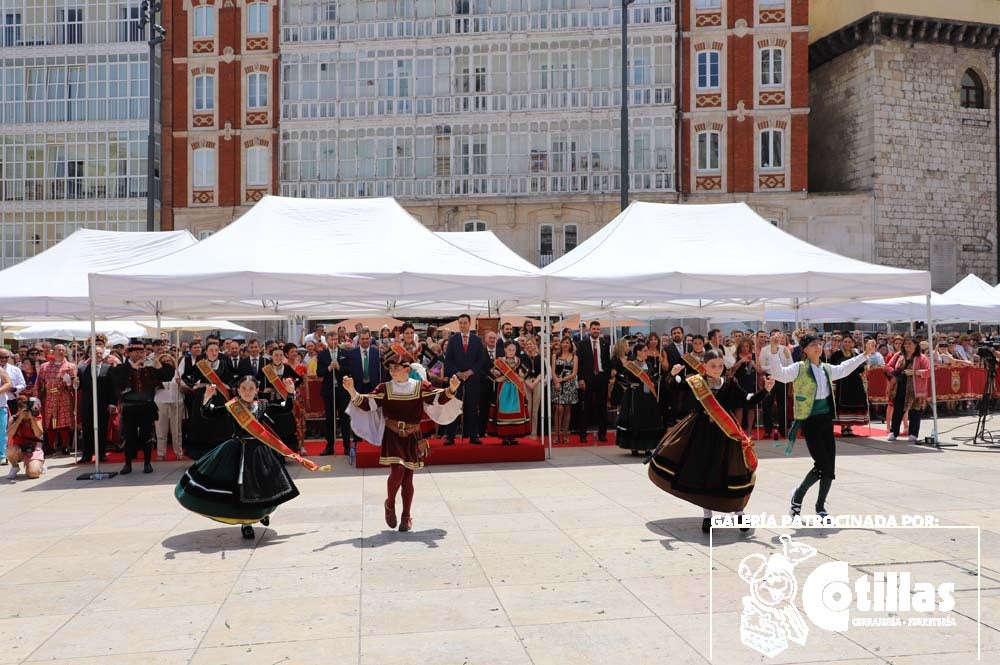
<point x="679" y="86"/>
<point x="996" y="139"/>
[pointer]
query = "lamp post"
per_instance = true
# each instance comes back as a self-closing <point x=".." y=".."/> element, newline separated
<point x="147" y="17"/>
<point x="624" y="114"/>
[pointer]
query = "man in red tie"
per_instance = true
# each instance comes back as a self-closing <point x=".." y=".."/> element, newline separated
<point x="594" y="363"/>
<point x="465" y="358"/>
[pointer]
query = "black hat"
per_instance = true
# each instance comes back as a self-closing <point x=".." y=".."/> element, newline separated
<point x="394" y="358"/>
<point x="806" y="340"/>
<point x="136" y="344"/>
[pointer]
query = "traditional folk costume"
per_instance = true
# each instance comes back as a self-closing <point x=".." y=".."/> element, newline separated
<point x="706" y="458"/>
<point x="851" y="396"/>
<point x="640" y="420"/>
<point x="389" y="416"/>
<point x="204" y="434"/>
<point x="135" y="386"/>
<point x="510" y="417"/>
<point x="275" y="392"/>
<point x="54" y="384"/>
<point x="241" y="480"/>
<point x="814" y="410"/>
<point x="26" y="432"/>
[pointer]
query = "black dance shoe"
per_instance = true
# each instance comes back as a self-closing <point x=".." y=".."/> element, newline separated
<point x="147" y="468"/>
<point x="247" y="532"/>
<point x="405" y="524"/>
<point x="266" y="520"/>
<point x="127" y="469"/>
<point x="475" y="441"/>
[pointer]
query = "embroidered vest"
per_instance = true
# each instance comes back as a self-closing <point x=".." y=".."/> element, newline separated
<point x="805" y="390"/>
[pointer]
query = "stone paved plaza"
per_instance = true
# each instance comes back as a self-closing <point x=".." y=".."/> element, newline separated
<point x="577" y="560"/>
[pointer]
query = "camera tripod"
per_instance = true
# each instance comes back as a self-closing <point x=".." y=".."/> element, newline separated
<point x="982" y="436"/>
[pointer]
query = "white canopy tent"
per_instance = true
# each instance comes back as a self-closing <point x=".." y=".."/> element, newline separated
<point x="972" y="289"/>
<point x="913" y="308"/>
<point x="54" y="283"/>
<point x="291" y="256"/>
<point x="725" y="252"/>
<point x="74" y="329"/>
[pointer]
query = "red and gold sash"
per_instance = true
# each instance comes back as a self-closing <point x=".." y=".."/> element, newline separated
<point x="272" y="377"/>
<point x="693" y="362"/>
<point x="266" y="435"/>
<point x="722" y="418"/>
<point x="639" y="373"/>
<point x="511" y="376"/>
<point x="209" y="373"/>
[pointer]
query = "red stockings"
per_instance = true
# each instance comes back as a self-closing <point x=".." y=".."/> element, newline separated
<point x="400" y="476"/>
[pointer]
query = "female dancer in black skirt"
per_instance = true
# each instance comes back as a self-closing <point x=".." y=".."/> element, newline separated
<point x="706" y="458"/>
<point x="241" y="481"/>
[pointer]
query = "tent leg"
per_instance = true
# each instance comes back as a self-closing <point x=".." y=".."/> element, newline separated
<point x="97" y="474"/>
<point x="933" y="438"/>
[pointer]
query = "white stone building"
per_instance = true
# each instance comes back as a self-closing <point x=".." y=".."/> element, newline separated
<point x="73" y="121"/>
<point x="478" y="114"/>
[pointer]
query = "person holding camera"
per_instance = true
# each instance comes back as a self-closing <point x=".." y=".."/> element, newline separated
<point x="26" y="439"/>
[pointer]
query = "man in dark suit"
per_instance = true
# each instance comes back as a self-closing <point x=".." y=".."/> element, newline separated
<point x="364" y="365"/>
<point x="331" y="367"/>
<point x="594" y="370"/>
<point x="253" y="364"/>
<point x="104" y="388"/>
<point x="487" y="385"/>
<point x="232" y="356"/>
<point x="465" y="358"/>
<point x="676" y="348"/>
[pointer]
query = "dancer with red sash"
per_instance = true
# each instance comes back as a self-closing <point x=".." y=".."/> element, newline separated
<point x="241" y="481"/>
<point x="510" y="417"/>
<point x="640" y="420"/>
<point x="389" y="416"/>
<point x="203" y="434"/>
<point x="706" y="458"/>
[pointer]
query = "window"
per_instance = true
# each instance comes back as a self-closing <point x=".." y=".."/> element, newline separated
<point x="204" y="21"/>
<point x="257" y="18"/>
<point x="204" y="168"/>
<point x="570" y="237"/>
<point x="772" y="66"/>
<point x="204" y="92"/>
<point x="708" y="151"/>
<point x="256" y="90"/>
<point x="70" y="25"/>
<point x="770" y="149"/>
<point x="708" y="69"/>
<point x="708" y="4"/>
<point x="973" y="91"/>
<point x="474" y="225"/>
<point x="11" y="29"/>
<point x="545" y="244"/>
<point x="258" y="173"/>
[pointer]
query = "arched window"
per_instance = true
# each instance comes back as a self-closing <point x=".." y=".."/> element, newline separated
<point x="204" y="167"/>
<point x="770" y="149"/>
<point x="474" y="225"/>
<point x="708" y="151"/>
<point x="204" y="21"/>
<point x="204" y="92"/>
<point x="256" y="90"/>
<point x="973" y="91"/>
<point x="258" y="166"/>
<point x="258" y="14"/>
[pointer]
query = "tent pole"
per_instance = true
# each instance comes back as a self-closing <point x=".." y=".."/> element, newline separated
<point x="614" y="330"/>
<point x="930" y="342"/>
<point x="159" y="322"/>
<point x="97" y="474"/>
<point x="546" y="354"/>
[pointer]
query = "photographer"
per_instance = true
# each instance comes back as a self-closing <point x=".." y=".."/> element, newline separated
<point x="26" y="439"/>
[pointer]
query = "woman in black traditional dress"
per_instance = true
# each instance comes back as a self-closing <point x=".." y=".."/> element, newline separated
<point x="640" y="422"/>
<point x="241" y="481"/>
<point x="852" y="396"/>
<point x="203" y="434"/>
<point x="284" y="421"/>
<point x="706" y="458"/>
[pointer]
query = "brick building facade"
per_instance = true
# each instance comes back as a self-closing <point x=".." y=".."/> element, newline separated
<point x="220" y="118"/>
<point x="903" y="110"/>
<point x="744" y="96"/>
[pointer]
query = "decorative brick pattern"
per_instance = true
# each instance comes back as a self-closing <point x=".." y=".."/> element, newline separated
<point x="708" y="183"/>
<point x="203" y="197"/>
<point x="257" y="118"/>
<point x="203" y="46"/>
<point x="203" y="120"/>
<point x="708" y="101"/>
<point x="771" y="181"/>
<point x="257" y="44"/>
<point x="767" y="16"/>
<point x="708" y="20"/>
<point x="254" y="195"/>
<point x="771" y="98"/>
